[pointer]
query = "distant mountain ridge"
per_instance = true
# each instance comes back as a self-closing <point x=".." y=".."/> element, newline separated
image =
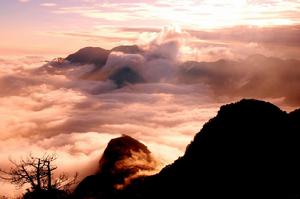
<point x="98" y="56"/>
<point x="89" y="55"/>
<point x="255" y="76"/>
<point x="249" y="150"/>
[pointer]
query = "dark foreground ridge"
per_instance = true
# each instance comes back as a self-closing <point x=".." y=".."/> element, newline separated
<point x="249" y="150"/>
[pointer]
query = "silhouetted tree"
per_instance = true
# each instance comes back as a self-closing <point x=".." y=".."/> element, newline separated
<point x="38" y="172"/>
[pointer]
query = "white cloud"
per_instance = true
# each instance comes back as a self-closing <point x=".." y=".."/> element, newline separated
<point x="203" y="14"/>
<point x="57" y="112"/>
<point x="48" y="4"/>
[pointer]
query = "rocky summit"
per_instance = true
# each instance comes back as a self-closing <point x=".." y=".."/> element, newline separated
<point x="124" y="159"/>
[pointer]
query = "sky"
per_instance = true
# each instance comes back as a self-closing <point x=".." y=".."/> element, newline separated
<point x="41" y="26"/>
<point x="197" y="56"/>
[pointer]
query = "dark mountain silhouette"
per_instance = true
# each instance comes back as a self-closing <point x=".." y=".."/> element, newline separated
<point x="123" y="160"/>
<point x="121" y="77"/>
<point x="98" y="56"/>
<point x="89" y="55"/>
<point x="47" y="194"/>
<point x="256" y="76"/>
<point x="125" y="75"/>
<point x="294" y="118"/>
<point x="249" y="150"/>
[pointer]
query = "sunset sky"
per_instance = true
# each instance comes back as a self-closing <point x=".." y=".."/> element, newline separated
<point x="41" y="26"/>
<point x="195" y="56"/>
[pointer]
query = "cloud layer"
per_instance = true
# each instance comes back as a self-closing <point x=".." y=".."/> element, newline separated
<point x="75" y="118"/>
<point x="57" y="107"/>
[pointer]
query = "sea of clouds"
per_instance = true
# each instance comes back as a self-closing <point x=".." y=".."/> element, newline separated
<point x="48" y="108"/>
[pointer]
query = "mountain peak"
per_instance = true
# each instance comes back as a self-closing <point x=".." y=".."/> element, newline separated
<point x="124" y="159"/>
<point x="89" y="55"/>
<point x="119" y="149"/>
<point x="127" y="49"/>
<point x="249" y="150"/>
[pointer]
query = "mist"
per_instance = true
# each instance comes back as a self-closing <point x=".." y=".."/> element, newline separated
<point x="73" y="110"/>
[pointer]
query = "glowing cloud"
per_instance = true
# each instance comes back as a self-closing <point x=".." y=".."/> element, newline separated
<point x="48" y="4"/>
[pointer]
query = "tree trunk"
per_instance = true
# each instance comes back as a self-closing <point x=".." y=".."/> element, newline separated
<point x="38" y="175"/>
<point x="29" y="177"/>
<point x="49" y="175"/>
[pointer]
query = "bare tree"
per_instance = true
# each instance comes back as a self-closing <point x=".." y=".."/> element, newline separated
<point x="38" y="172"/>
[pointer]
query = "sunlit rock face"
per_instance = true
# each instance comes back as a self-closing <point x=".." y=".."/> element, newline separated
<point x="124" y="159"/>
